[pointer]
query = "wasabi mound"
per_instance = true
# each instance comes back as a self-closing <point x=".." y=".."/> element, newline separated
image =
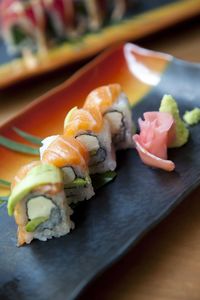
<point x="168" y="104"/>
<point x="192" y="117"/>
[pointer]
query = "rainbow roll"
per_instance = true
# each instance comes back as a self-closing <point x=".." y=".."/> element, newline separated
<point x="71" y="157"/>
<point x="61" y="18"/>
<point x="93" y="132"/>
<point x="38" y="203"/>
<point x="23" y="26"/>
<point x="113" y="104"/>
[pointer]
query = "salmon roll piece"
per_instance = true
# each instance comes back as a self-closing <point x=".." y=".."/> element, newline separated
<point x="71" y="157"/>
<point x="38" y="203"/>
<point x="61" y="18"/>
<point x="119" y="8"/>
<point x="114" y="106"/>
<point x="90" y="129"/>
<point x="23" y="26"/>
<point x="96" y="13"/>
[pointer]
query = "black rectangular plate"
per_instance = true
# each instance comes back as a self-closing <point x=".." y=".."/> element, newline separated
<point x="119" y="215"/>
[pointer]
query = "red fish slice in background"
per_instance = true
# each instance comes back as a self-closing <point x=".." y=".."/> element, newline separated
<point x="29" y="17"/>
<point x="67" y="12"/>
<point x="157" y="131"/>
<point x="10" y="10"/>
<point x="16" y="11"/>
<point x="34" y="12"/>
<point x="62" y="15"/>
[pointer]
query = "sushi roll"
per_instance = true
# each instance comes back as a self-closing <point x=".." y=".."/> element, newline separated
<point x="22" y="26"/>
<point x="61" y="18"/>
<point x="71" y="156"/>
<point x="101" y="11"/>
<point x="119" y="9"/>
<point x="38" y="203"/>
<point x="96" y="13"/>
<point x="93" y="132"/>
<point x="114" y="106"/>
<point x="35" y="11"/>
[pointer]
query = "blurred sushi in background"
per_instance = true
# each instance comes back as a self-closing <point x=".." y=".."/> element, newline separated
<point x="23" y="25"/>
<point x="36" y="25"/>
<point x="60" y="18"/>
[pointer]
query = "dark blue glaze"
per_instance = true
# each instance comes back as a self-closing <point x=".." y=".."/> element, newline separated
<point x="112" y="222"/>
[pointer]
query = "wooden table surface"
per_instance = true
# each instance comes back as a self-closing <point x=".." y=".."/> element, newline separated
<point x="165" y="265"/>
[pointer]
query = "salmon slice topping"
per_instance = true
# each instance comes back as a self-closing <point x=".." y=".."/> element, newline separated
<point x="66" y="151"/>
<point x="103" y="97"/>
<point x="81" y="120"/>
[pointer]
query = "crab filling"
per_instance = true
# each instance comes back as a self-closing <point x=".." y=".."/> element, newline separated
<point x="39" y="207"/>
<point x="69" y="175"/>
<point x="115" y="119"/>
<point x="72" y="182"/>
<point x="90" y="142"/>
<point x="39" y="210"/>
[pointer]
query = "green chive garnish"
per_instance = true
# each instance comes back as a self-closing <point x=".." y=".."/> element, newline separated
<point x="5" y="182"/>
<point x="3" y="199"/>
<point x="18" y="147"/>
<point x="28" y="137"/>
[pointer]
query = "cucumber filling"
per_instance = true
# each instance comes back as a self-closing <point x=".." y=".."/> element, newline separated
<point x="33" y="224"/>
<point x="71" y="180"/>
<point x="93" y="152"/>
<point x="78" y="182"/>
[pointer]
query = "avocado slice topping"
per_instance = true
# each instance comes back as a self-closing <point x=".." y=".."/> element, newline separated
<point x="68" y="116"/>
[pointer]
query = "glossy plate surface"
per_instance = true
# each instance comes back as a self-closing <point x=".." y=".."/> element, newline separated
<point x="121" y="212"/>
<point x="148" y="17"/>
